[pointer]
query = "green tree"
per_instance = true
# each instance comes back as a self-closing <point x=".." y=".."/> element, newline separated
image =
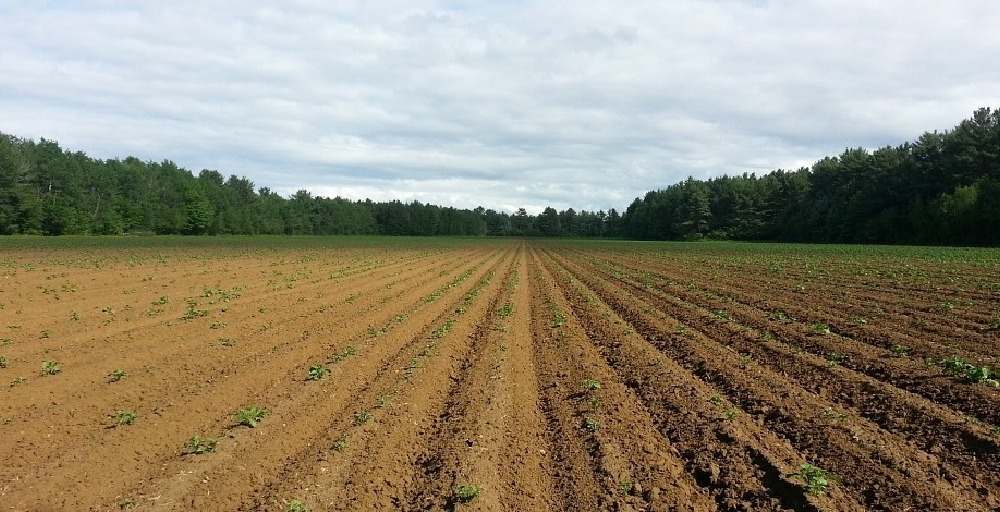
<point x="198" y="213"/>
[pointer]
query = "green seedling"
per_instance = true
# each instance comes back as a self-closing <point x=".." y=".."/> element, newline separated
<point x="251" y="416"/>
<point x="835" y="358"/>
<point x="466" y="493"/>
<point x="443" y="330"/>
<point x="362" y="417"/>
<point x="817" y="480"/>
<point x="198" y="445"/>
<point x="834" y="414"/>
<point x="343" y="354"/>
<point x="297" y="506"/>
<point x="901" y="350"/>
<point x="340" y="444"/>
<point x="994" y="325"/>
<point x="626" y="487"/>
<point x="820" y="328"/>
<point x="591" y="385"/>
<point x="116" y="375"/>
<point x="506" y="310"/>
<point x="193" y="312"/>
<point x="956" y="366"/>
<point x="558" y="319"/>
<point x="50" y="368"/>
<point x="18" y="381"/>
<point x="124" y="417"/>
<point x="317" y="372"/>
<point x="591" y="424"/>
<point x="3" y="362"/>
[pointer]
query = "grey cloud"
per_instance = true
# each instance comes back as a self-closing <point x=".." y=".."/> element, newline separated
<point x="499" y="104"/>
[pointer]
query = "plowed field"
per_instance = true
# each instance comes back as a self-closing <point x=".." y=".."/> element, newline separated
<point x="496" y="375"/>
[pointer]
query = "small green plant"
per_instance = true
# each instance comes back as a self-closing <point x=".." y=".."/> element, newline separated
<point x="835" y="358"/>
<point x="901" y="350"/>
<point x="958" y="367"/>
<point x="317" y="372"/>
<point x="362" y="417"/>
<point x="558" y="319"/>
<point x="780" y="316"/>
<point x="297" y="506"/>
<point x="506" y="310"/>
<point x="50" y="368"/>
<point x="465" y="493"/>
<point x="833" y="414"/>
<point x="124" y="417"/>
<point x="443" y="330"/>
<point x="198" y="445"/>
<point x="161" y="301"/>
<point x="116" y="375"/>
<point x="820" y="328"/>
<point x="251" y="416"/>
<point x="18" y="381"/>
<point x="720" y="314"/>
<point x="193" y="312"/>
<point x="626" y="487"/>
<point x="343" y="354"/>
<point x="591" y="424"/>
<point x="994" y="324"/>
<point x="3" y="362"/>
<point x="591" y="385"/>
<point x="340" y="444"/>
<point x="817" y="480"/>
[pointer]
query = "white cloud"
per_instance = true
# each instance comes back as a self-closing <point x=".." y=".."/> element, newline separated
<point x="499" y="104"/>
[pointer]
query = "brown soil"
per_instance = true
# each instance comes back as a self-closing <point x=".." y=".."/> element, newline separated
<point x="535" y="376"/>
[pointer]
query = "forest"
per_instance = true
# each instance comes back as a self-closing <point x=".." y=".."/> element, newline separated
<point x="942" y="188"/>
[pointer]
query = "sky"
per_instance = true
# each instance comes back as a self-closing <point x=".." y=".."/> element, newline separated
<point x="504" y="104"/>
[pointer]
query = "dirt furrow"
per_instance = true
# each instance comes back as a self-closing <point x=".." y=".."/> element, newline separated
<point x="90" y="401"/>
<point x="202" y="409"/>
<point x="370" y="465"/>
<point x="798" y="415"/>
<point x="928" y="381"/>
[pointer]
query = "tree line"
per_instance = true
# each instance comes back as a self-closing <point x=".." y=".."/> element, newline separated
<point x="47" y="190"/>
<point x="943" y="188"/>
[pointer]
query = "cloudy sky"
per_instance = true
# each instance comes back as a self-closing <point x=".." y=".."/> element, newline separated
<point x="501" y="103"/>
